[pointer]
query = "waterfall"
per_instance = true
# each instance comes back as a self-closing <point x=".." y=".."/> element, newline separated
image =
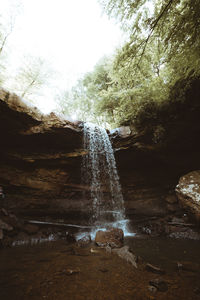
<point x="99" y="174"/>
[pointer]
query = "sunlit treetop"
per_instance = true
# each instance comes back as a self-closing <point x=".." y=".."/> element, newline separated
<point x="175" y="22"/>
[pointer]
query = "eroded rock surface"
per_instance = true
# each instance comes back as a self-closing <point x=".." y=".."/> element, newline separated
<point x="39" y="159"/>
<point x="40" y="164"/>
<point x="188" y="191"/>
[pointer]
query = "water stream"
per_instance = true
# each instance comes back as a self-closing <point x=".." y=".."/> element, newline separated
<point x="99" y="173"/>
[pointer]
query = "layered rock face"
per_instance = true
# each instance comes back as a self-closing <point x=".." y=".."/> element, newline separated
<point x="39" y="160"/>
<point x="149" y="175"/>
<point x="40" y="164"/>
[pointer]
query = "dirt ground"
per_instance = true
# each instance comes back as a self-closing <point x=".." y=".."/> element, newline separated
<point x="61" y="271"/>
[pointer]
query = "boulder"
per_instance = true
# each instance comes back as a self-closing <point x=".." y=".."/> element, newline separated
<point x="188" y="192"/>
<point x="84" y="241"/>
<point x="113" y="238"/>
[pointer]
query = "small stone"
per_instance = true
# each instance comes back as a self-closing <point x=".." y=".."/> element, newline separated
<point x="154" y="269"/>
<point x="71" y="271"/>
<point x="152" y="289"/>
<point x="159" y="284"/>
<point x="93" y="250"/>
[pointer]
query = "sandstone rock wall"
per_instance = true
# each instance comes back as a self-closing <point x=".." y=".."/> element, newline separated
<point x="39" y="159"/>
<point x="40" y="165"/>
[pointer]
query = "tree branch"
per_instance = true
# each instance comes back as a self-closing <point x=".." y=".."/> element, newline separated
<point x="153" y="26"/>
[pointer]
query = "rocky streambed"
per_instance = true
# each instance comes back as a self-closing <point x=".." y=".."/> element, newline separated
<point x="60" y="270"/>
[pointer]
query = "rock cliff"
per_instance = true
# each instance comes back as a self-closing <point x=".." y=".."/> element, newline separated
<point x="40" y="164"/>
<point x="39" y="159"/>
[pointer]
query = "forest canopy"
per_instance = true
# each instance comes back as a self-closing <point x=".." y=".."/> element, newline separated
<point x="137" y="82"/>
<point x="144" y="79"/>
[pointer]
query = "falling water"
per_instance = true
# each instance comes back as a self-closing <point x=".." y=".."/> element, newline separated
<point x="101" y="177"/>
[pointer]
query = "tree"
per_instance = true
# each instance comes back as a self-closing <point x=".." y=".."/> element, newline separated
<point x="83" y="99"/>
<point x="134" y="86"/>
<point x="5" y="32"/>
<point x="33" y="75"/>
<point x="163" y="48"/>
<point x="176" y="22"/>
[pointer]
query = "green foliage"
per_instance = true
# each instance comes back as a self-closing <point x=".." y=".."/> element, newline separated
<point x="83" y="100"/>
<point x="163" y="49"/>
<point x="175" y="22"/>
<point x="137" y="85"/>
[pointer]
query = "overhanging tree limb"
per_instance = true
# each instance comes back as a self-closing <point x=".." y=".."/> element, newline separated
<point x="153" y="26"/>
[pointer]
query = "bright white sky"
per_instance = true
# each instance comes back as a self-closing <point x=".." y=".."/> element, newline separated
<point x="71" y="34"/>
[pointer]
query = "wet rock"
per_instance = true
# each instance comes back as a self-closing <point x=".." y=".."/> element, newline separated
<point x="154" y="269"/>
<point x="124" y="253"/>
<point x="188" y="192"/>
<point x="84" y="241"/>
<point x="159" y="284"/>
<point x="113" y="237"/>
<point x="71" y="271"/>
<point x="5" y="226"/>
